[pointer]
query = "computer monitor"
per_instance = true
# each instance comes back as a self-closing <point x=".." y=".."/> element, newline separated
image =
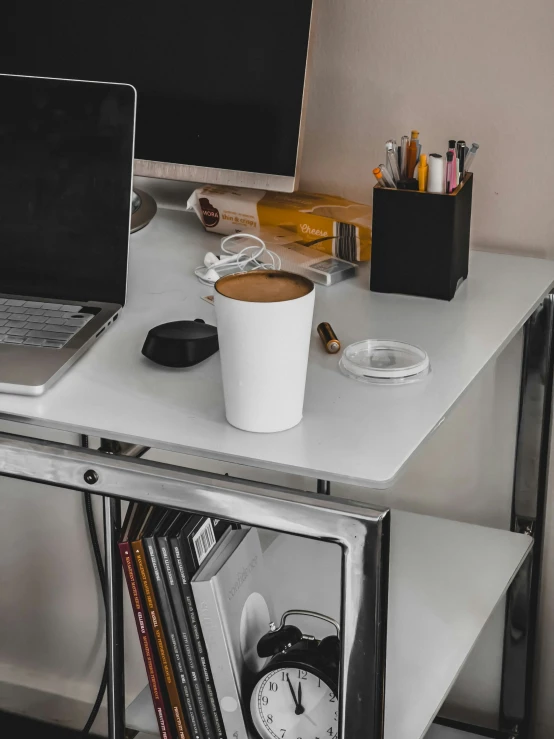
<point x="221" y="84"/>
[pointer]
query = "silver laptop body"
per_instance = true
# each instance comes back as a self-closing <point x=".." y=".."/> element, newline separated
<point x="66" y="150"/>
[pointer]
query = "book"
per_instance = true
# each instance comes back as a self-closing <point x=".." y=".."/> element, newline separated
<point x="137" y="602"/>
<point x="184" y="632"/>
<point x="232" y="596"/>
<point x="144" y="577"/>
<point x="189" y="548"/>
<point x="169" y="623"/>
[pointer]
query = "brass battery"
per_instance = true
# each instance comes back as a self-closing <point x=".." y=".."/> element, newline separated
<point x="329" y="338"/>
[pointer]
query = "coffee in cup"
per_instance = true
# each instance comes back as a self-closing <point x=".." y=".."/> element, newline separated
<point x="269" y="286"/>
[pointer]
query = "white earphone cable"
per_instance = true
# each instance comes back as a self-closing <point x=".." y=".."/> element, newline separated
<point x="247" y="259"/>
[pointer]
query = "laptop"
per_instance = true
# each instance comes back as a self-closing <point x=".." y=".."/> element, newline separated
<point x="66" y="166"/>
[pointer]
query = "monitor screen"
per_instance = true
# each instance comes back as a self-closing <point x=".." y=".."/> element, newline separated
<point x="220" y="84"/>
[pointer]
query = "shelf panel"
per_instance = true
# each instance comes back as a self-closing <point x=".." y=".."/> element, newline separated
<point x="445" y="580"/>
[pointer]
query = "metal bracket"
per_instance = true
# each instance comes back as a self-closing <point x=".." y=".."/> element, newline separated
<point x="114" y="591"/>
<point x="528" y="516"/>
<point x="362" y="532"/>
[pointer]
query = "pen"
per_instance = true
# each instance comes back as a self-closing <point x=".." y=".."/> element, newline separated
<point x="394" y="145"/>
<point x="404" y="156"/>
<point x="452" y="148"/>
<point x="412" y="154"/>
<point x="386" y="175"/>
<point x="379" y="177"/>
<point x="461" y="151"/>
<point x="392" y="160"/>
<point x="383" y="177"/>
<point x="423" y="173"/>
<point x="471" y="156"/>
<point x="450" y="171"/>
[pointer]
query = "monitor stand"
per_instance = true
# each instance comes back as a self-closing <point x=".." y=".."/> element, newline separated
<point x="143" y="210"/>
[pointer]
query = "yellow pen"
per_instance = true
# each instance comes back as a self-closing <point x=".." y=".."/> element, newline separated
<point x="423" y="173"/>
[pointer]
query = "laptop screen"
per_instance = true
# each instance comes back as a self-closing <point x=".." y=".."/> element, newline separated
<point x="66" y="161"/>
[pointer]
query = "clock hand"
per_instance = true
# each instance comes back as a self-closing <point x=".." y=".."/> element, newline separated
<point x="299" y="707"/>
<point x="293" y="694"/>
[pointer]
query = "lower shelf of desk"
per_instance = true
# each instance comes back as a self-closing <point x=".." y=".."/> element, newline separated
<point x="446" y="578"/>
<point x="435" y="732"/>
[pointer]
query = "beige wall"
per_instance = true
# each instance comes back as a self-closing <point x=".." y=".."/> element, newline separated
<point x="482" y="70"/>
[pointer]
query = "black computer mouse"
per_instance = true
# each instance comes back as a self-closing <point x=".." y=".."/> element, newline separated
<point x="181" y="343"/>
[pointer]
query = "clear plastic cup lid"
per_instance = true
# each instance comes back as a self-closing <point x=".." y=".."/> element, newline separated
<point x="387" y="362"/>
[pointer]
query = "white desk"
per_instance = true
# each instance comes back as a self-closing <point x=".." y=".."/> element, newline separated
<point x="351" y="432"/>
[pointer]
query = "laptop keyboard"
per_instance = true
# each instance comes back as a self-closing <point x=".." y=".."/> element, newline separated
<point x="32" y="323"/>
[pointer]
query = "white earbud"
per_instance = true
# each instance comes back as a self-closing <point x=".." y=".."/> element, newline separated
<point x="212" y="260"/>
<point x="211" y="276"/>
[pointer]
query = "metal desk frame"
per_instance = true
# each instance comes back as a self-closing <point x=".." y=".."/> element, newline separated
<point x="362" y="531"/>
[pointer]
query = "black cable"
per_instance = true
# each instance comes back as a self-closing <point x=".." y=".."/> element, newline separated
<point x="93" y="533"/>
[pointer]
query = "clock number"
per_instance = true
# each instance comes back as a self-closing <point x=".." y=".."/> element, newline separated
<point x="284" y="677"/>
<point x="332" y="698"/>
<point x="283" y="732"/>
<point x="336" y="715"/>
<point x="273" y="687"/>
<point x="302" y="675"/>
<point x="269" y="719"/>
<point x="319" y="682"/>
<point x="265" y="700"/>
<point x="330" y="731"/>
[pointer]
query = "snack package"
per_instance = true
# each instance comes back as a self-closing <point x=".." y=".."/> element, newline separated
<point x="332" y="225"/>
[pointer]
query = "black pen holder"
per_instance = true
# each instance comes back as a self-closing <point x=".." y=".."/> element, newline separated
<point x="420" y="242"/>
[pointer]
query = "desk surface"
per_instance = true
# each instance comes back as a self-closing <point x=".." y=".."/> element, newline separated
<point x="351" y="432"/>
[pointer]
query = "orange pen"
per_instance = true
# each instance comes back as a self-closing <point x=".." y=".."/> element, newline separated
<point x="413" y="149"/>
<point x="379" y="177"/>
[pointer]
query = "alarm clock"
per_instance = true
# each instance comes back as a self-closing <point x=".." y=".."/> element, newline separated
<point x="296" y="693"/>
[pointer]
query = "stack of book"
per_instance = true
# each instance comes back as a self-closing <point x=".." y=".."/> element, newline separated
<point x="199" y="596"/>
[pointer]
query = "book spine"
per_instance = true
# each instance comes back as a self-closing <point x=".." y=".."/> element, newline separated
<point x="220" y="659"/>
<point x="144" y="637"/>
<point x="185" y="634"/>
<point x="169" y="677"/>
<point x="197" y="636"/>
<point x="171" y="632"/>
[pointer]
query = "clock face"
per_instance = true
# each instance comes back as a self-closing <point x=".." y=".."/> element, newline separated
<point x="291" y="703"/>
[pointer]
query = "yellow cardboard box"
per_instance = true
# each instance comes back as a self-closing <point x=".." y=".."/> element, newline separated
<point x="331" y="224"/>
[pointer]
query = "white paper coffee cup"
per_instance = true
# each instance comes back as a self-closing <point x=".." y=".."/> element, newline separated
<point x="264" y="342"/>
